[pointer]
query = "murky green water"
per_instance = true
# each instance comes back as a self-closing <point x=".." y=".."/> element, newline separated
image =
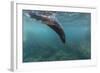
<point x="41" y="43"/>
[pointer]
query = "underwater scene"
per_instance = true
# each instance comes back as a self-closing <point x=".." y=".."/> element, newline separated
<point x="56" y="36"/>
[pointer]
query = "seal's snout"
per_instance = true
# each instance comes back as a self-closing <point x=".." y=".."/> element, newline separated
<point x="63" y="39"/>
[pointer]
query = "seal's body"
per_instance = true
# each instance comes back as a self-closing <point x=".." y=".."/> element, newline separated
<point x="51" y="22"/>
